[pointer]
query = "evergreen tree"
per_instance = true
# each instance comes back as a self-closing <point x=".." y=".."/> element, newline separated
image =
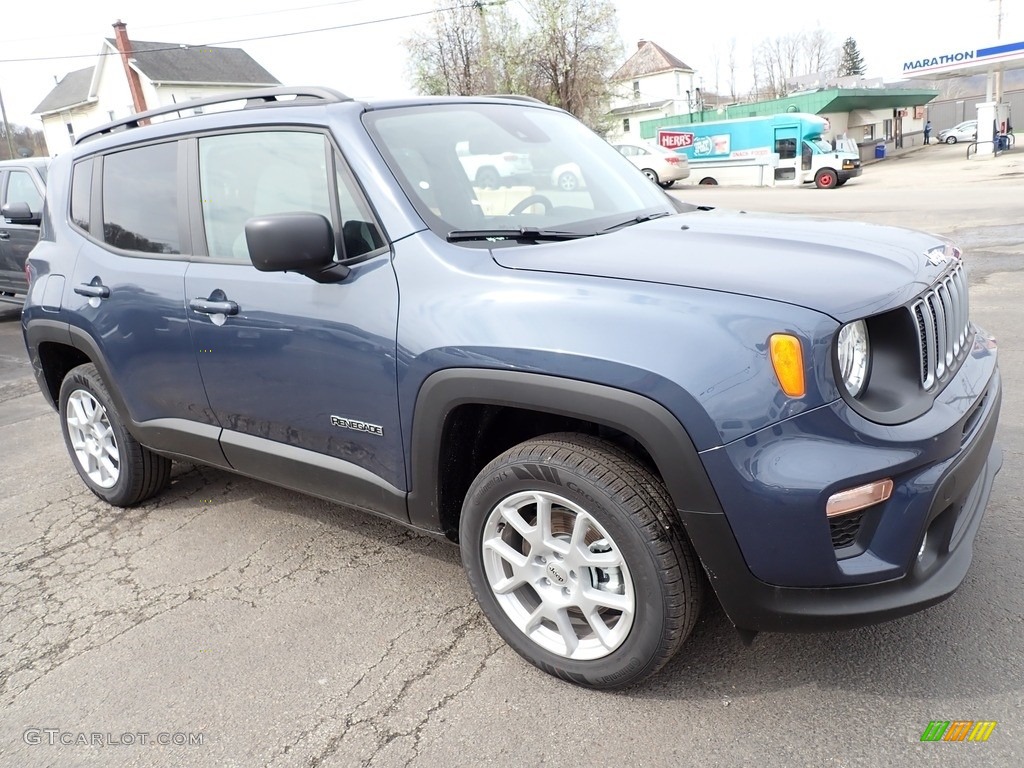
<point x="850" y="60"/>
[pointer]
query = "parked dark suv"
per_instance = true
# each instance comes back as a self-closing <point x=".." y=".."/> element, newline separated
<point x="609" y="399"/>
<point x="22" y="185"/>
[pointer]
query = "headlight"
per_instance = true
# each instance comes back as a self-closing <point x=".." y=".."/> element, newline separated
<point x="854" y="353"/>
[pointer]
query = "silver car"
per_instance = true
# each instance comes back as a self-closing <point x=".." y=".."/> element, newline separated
<point x="965" y="131"/>
<point x="660" y="165"/>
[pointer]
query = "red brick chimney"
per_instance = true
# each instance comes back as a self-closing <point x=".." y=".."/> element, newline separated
<point x="124" y="45"/>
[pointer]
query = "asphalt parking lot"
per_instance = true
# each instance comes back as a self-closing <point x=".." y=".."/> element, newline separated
<point x="245" y="625"/>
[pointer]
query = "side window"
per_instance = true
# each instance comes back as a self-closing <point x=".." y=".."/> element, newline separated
<point x="786" y="148"/>
<point x="81" y="194"/>
<point x="140" y="199"/>
<point x="21" y="189"/>
<point x="244" y="175"/>
<point x="360" y="232"/>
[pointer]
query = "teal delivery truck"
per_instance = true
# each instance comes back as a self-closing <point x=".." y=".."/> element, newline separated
<point x="787" y="149"/>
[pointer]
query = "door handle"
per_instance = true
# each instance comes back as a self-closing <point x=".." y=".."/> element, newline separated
<point x="5" y="235"/>
<point x="211" y="307"/>
<point x="95" y="289"/>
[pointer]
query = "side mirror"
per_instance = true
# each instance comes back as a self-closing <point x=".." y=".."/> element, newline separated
<point x="294" y="242"/>
<point x="20" y="213"/>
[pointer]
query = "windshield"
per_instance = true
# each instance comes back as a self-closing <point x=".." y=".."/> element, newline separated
<point x="494" y="167"/>
<point x="822" y="145"/>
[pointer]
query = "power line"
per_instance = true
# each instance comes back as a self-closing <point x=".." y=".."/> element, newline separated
<point x="256" y="37"/>
<point x="187" y="23"/>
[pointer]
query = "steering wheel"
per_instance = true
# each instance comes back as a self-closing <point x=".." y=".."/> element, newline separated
<point x="526" y="202"/>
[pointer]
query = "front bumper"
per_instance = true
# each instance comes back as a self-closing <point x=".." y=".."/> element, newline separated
<point x="846" y="175"/>
<point x="770" y="557"/>
<point x="954" y="517"/>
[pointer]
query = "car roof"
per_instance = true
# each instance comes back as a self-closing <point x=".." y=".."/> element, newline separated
<point x="286" y="103"/>
<point x="22" y="162"/>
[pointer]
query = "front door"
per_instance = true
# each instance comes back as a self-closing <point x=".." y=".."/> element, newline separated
<point x="301" y="375"/>
<point x="787" y="147"/>
<point x="16" y="240"/>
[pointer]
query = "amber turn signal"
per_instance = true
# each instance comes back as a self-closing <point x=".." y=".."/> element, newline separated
<point x="858" y="498"/>
<point x="788" y="361"/>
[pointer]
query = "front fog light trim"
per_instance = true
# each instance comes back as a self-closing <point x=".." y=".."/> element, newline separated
<point x="856" y="499"/>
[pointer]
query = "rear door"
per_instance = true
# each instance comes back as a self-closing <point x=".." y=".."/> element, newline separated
<point x="126" y="294"/>
<point x="16" y="240"/>
<point x="301" y="375"/>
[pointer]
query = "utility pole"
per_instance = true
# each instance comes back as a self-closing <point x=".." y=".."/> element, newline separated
<point x="7" y="127"/>
<point x="486" y="79"/>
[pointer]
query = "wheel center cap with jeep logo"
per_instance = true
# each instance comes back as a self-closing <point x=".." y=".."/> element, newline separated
<point x="557" y="574"/>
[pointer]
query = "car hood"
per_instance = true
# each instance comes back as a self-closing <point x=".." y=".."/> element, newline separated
<point x="844" y="269"/>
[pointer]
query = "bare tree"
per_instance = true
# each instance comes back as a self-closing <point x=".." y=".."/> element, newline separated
<point x="576" y="48"/>
<point x="780" y="60"/>
<point x="563" y="57"/>
<point x="447" y="58"/>
<point x="469" y="49"/>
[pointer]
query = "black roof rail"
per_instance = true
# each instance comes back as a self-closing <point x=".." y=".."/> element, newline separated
<point x="253" y="98"/>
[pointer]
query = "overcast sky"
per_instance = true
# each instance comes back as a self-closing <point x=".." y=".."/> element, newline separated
<point x="370" y="60"/>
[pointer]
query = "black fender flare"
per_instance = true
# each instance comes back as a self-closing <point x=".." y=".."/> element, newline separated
<point x="643" y="419"/>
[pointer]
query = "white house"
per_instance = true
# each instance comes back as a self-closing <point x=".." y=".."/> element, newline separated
<point x="131" y="76"/>
<point x="651" y="83"/>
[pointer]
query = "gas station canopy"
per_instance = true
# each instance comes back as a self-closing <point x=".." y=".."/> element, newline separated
<point x="993" y="114"/>
<point x="944" y="65"/>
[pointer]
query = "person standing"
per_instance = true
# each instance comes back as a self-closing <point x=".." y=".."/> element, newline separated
<point x="927" y="131"/>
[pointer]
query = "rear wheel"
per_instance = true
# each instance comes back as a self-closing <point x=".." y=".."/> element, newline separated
<point x="707" y="181"/>
<point x="574" y="552"/>
<point x="111" y="462"/>
<point x="651" y="174"/>
<point x="826" y="178"/>
<point x="567" y="181"/>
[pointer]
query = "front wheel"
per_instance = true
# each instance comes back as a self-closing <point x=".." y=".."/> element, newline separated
<point x="574" y="552"/>
<point x="826" y="178"/>
<point x="951" y="139"/>
<point x="111" y="462"/>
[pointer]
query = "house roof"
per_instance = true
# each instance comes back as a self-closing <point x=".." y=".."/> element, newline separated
<point x="72" y="90"/>
<point x="178" y="63"/>
<point x="649" y="59"/>
<point x="647" y="106"/>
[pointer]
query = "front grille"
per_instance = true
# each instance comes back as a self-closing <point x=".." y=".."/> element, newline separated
<point x="844" y="529"/>
<point x="942" y="325"/>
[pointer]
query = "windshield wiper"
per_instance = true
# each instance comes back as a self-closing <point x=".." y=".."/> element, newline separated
<point x="529" y="234"/>
<point x="635" y="220"/>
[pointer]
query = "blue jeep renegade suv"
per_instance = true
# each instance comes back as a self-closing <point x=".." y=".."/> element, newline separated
<point x="610" y="400"/>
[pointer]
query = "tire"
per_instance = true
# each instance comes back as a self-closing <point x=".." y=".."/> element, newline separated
<point x="826" y="178"/>
<point x="841" y="182"/>
<point x="568" y="182"/>
<point x="666" y="184"/>
<point x="707" y="181"/>
<point x="537" y="588"/>
<point x="111" y="462"/>
<point x="951" y="139"/>
<point x="650" y="174"/>
<point x="487" y="178"/>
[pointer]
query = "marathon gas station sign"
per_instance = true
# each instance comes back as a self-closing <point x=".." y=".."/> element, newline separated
<point x="938" y="62"/>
